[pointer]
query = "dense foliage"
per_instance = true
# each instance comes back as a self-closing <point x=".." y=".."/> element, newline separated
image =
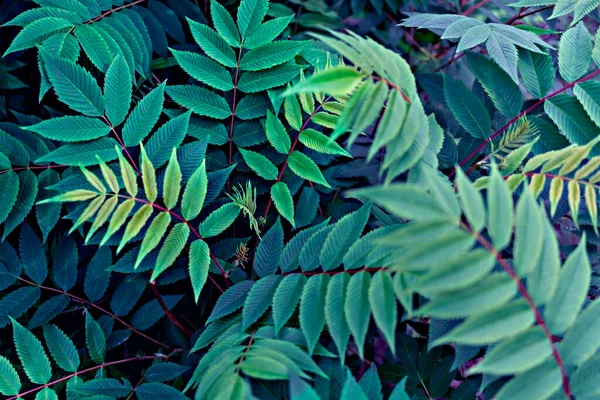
<point x="315" y="199"/>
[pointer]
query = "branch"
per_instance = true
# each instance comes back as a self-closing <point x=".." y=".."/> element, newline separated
<point x="108" y="364"/>
<point x="525" y="294"/>
<point x="520" y="115"/>
<point x="113" y="10"/>
<point x="97" y="307"/>
<point x="168" y="312"/>
<point x="122" y="144"/>
<point x="285" y="163"/>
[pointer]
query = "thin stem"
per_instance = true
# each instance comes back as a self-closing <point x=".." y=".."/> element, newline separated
<point x="475" y="7"/>
<point x="520" y="115"/>
<point x="122" y="144"/>
<point x="525" y="294"/>
<point x="97" y="307"/>
<point x="113" y="10"/>
<point x="394" y="86"/>
<point x="331" y="273"/>
<point x="94" y="368"/>
<point x="170" y="315"/>
<point x="246" y="350"/>
<point x="233" y="105"/>
<point x="34" y="167"/>
<point x="285" y="163"/>
<point x="192" y="229"/>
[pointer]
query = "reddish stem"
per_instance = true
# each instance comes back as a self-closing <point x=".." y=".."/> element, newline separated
<point x="97" y="307"/>
<point x="233" y="105"/>
<point x="285" y="162"/>
<point x="192" y="229"/>
<point x="122" y="144"/>
<point x="331" y="273"/>
<point x="33" y="167"/>
<point x="394" y="86"/>
<point x="520" y="115"/>
<point x="475" y="7"/>
<point x="170" y="315"/>
<point x="525" y="294"/>
<point x="66" y="378"/>
<point x="113" y="10"/>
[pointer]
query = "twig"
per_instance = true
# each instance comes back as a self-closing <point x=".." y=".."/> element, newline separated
<point x="520" y="115"/>
<point x="104" y="365"/>
<point x="525" y="294"/>
<point x="122" y="144"/>
<point x="113" y="10"/>
<point x="168" y="312"/>
<point x="97" y="307"/>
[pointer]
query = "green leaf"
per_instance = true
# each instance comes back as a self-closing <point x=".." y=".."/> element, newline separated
<point x="31" y="354"/>
<point x="26" y="195"/>
<point x="33" y="257"/>
<point x="265" y="368"/>
<point x="351" y="389"/>
<point x="573" y="284"/>
<point x="148" y="176"/>
<point x="538" y="383"/>
<point x="118" y="219"/>
<point x="588" y="94"/>
<point x="572" y="119"/>
<point x="537" y="72"/>
<point x="171" y="248"/>
<point x="219" y="220"/>
<point x="293" y="113"/>
<point x="253" y="82"/>
<point x="46" y="394"/>
<point x="117" y="91"/>
<point x="383" y="304"/>
<point x="61" y="348"/>
<point x="528" y="242"/>
<point x="259" y="299"/>
<point x="581" y="341"/>
<point x="473" y="37"/>
<point x="95" y="339"/>
<point x="270" y="55"/>
<point x="574" y="53"/>
<point x="74" y="86"/>
<point x="195" y="193"/>
<point x="467" y="108"/>
<point x="213" y="45"/>
<point x="157" y="391"/>
<point x="344" y="233"/>
<point x="166" y="138"/>
<point x="172" y="183"/>
<point x="286" y="297"/>
<point x="224" y="24"/>
<point x="127" y="174"/>
<point x="267" y="32"/>
<point x="492" y="326"/>
<point x="200" y="101"/>
<point x="9" y="181"/>
<point x="502" y="50"/>
<point x="306" y="168"/>
<point x="71" y="128"/>
<point x="82" y="154"/>
<point x="280" y="193"/>
<point x="503" y="91"/>
<point x="312" y="309"/>
<point x="276" y="134"/>
<point x="199" y="263"/>
<point x="36" y="32"/>
<point x="165" y="371"/>
<point x="260" y="164"/>
<point x="49" y="310"/>
<point x="250" y="14"/>
<point x="94" y="46"/>
<point x="516" y="354"/>
<point x="583" y="381"/>
<point x="204" y="69"/>
<point x="471" y="201"/>
<point x="97" y="277"/>
<point x="102" y="386"/>
<point x="317" y="141"/>
<point x="357" y="308"/>
<point x="10" y="383"/>
<point x="337" y="81"/>
<point x="144" y="116"/>
<point x="269" y="251"/>
<point x="153" y="236"/>
<point x="334" y="313"/>
<point x="135" y="225"/>
<point x="231" y="301"/>
<point x="150" y="313"/>
<point x="500" y="210"/>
